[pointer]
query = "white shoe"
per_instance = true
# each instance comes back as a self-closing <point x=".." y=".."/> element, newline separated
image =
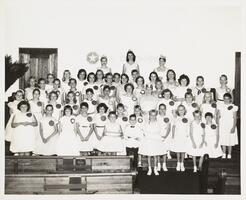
<point x="169" y="155"/>
<point x="229" y="156"/>
<point x="158" y="166"/>
<point x="186" y="156"/>
<point x="178" y="166"/>
<point x="164" y="167"/>
<point x="182" y="167"/>
<point x="223" y="155"/>
<point x="149" y="172"/>
<point x="155" y="171"/>
<point x="195" y="169"/>
<point x="139" y="164"/>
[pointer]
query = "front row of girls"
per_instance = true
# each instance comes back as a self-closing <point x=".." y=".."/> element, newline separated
<point x="152" y="134"/>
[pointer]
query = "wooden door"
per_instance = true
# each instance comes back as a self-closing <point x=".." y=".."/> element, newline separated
<point x="40" y="61"/>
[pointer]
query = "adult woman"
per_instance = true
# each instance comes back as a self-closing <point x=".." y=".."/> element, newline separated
<point x="130" y="63"/>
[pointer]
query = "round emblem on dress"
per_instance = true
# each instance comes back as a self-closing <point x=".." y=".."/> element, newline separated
<point x="72" y="120"/>
<point x="77" y="94"/>
<point x="230" y="107"/>
<point x="166" y="119"/>
<point x="95" y="87"/>
<point x="204" y="90"/>
<point x="112" y="87"/>
<point x="189" y="90"/>
<point x="29" y="114"/>
<point x="171" y="103"/>
<point x="85" y="83"/>
<point x="89" y="118"/>
<point x="75" y="107"/>
<point x="214" y="105"/>
<point x="58" y="106"/>
<point x="134" y="98"/>
<point x="194" y="105"/>
<point x="213" y="126"/>
<point x="202" y="125"/>
<point x="92" y="57"/>
<point x="94" y="102"/>
<point x="51" y="123"/>
<point x="103" y="118"/>
<point x="39" y="103"/>
<point x="140" y="120"/>
<point x="142" y="92"/>
<point x="124" y="119"/>
<point x="184" y="120"/>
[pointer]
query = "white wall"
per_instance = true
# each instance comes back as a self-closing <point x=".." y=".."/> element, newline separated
<point x="197" y="38"/>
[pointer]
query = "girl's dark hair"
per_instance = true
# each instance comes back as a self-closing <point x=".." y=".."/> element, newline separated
<point x="171" y="70"/>
<point x="201" y="77"/>
<point x="67" y="107"/>
<point x="120" y="105"/>
<point x="128" y="84"/>
<point x="162" y="58"/>
<point x="91" y="73"/>
<point x="112" y="113"/>
<point x="49" y="105"/>
<point x="57" y="79"/>
<point x="116" y="74"/>
<point x="127" y="77"/>
<point x="41" y="79"/>
<point x="84" y="104"/>
<point x="53" y="92"/>
<point x="36" y="89"/>
<point x="23" y="103"/>
<point x="74" y="97"/>
<point x="103" y="57"/>
<point x="157" y="77"/>
<point x="106" y="87"/>
<point x="183" y="107"/>
<point x="162" y="104"/>
<point x="223" y="75"/>
<point x="80" y="71"/>
<point x="72" y="79"/>
<point x="197" y="112"/>
<point x="227" y="95"/>
<point x="99" y="70"/>
<point x="108" y="74"/>
<point x="183" y="76"/>
<point x="188" y="93"/>
<point x="165" y="91"/>
<point x="132" y="116"/>
<point x="130" y="52"/>
<point x="89" y="90"/>
<point x="102" y="105"/>
<point x="208" y="114"/>
<point x="139" y="78"/>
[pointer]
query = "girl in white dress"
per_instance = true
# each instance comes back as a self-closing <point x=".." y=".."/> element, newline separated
<point x="171" y="82"/>
<point x="100" y="119"/>
<point x="43" y="94"/>
<point x="65" y="80"/>
<point x="180" y="135"/>
<point x="158" y="89"/>
<point x="116" y="79"/>
<point x="73" y="84"/>
<point x="23" y="135"/>
<point x="130" y="63"/>
<point x="161" y="70"/>
<point x="134" y="75"/>
<point x="105" y="98"/>
<point x="13" y="109"/>
<point x="84" y="128"/>
<point x="48" y="129"/>
<point x="227" y="114"/>
<point x="104" y="67"/>
<point x="112" y="138"/>
<point x="220" y="91"/>
<point x="100" y="78"/>
<point x="199" y="90"/>
<point x="57" y="107"/>
<point x="153" y="77"/>
<point x="209" y="105"/>
<point x="57" y="88"/>
<point x="179" y="92"/>
<point x="36" y="106"/>
<point x="109" y="82"/>
<point x="82" y="74"/>
<point x="190" y="105"/>
<point x="91" y="83"/>
<point x="68" y="139"/>
<point x="29" y="90"/>
<point x="139" y="89"/>
<point x="129" y="100"/>
<point x="122" y="116"/>
<point x="196" y="147"/>
<point x="212" y="137"/>
<point x="91" y="100"/>
<point x="152" y="142"/>
<point x="49" y="82"/>
<point x="121" y="87"/>
<point x="73" y="102"/>
<point x="165" y="122"/>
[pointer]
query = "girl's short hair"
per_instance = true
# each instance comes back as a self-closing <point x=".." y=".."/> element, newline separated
<point x="84" y="104"/>
<point x="139" y="77"/>
<point x="106" y="87"/>
<point x="57" y="79"/>
<point x="120" y="105"/>
<point x="132" y="116"/>
<point x="197" y="112"/>
<point x="188" y="93"/>
<point x="99" y="70"/>
<point x="137" y="107"/>
<point x="103" y="57"/>
<point x="179" y="107"/>
<point x="199" y="77"/>
<point x="171" y="70"/>
<point x="53" y="92"/>
<point x="90" y="74"/>
<point x="80" y="71"/>
<point x="162" y="104"/>
<point x="102" y="105"/>
<point x="127" y="77"/>
<point x="67" y="107"/>
<point x="23" y="103"/>
<point x="116" y="74"/>
<point x="209" y="114"/>
<point x="36" y="89"/>
<point x="89" y="90"/>
<point x="112" y="113"/>
<point x="41" y="79"/>
<point x="128" y="84"/>
<point x="223" y="75"/>
<point x="108" y="74"/>
<point x="155" y="75"/>
<point x="49" y="105"/>
<point x="153" y="111"/>
<point x="227" y="95"/>
<point x="166" y="91"/>
<point x="74" y="97"/>
<point x="183" y="76"/>
<point x="72" y="79"/>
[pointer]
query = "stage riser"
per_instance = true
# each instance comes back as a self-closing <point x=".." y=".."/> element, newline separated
<point x="62" y="185"/>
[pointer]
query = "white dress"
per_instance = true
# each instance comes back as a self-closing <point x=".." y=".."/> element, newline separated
<point x="171" y="87"/>
<point x="221" y="91"/>
<point x="148" y="103"/>
<point x="161" y="74"/>
<point x="198" y="93"/>
<point x="100" y="122"/>
<point x="80" y="85"/>
<point x="110" y="102"/>
<point x="65" y="87"/>
<point x="43" y="96"/>
<point x="210" y="138"/>
<point x="190" y="108"/>
<point x="171" y="106"/>
<point x="207" y="107"/>
<point x="23" y="137"/>
<point x="198" y="132"/>
<point x="96" y="89"/>
<point x="57" y="109"/>
<point x="28" y="93"/>
<point x="226" y="123"/>
<point x="75" y="108"/>
<point x="68" y="140"/>
<point x="85" y="124"/>
<point x="49" y="148"/>
<point x="9" y="129"/>
<point x="130" y="67"/>
<point x="112" y="142"/>
<point x="152" y="142"/>
<point x="180" y="91"/>
<point x="129" y="102"/>
<point x="92" y="106"/>
<point x="181" y="135"/>
<point x="104" y="69"/>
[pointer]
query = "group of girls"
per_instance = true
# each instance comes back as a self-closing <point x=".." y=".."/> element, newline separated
<point x="121" y="114"/>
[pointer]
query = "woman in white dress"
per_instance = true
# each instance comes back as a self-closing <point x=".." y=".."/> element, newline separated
<point x="227" y="114"/>
<point x="84" y="128"/>
<point x="65" y="80"/>
<point x="30" y="88"/>
<point x="68" y="140"/>
<point x="220" y="91"/>
<point x="153" y="77"/>
<point x="130" y="63"/>
<point x="13" y="109"/>
<point x="152" y="142"/>
<point x="112" y="138"/>
<point x="100" y="77"/>
<point x="196" y="147"/>
<point x="23" y="135"/>
<point x="161" y="70"/>
<point x="48" y="129"/>
<point x="179" y="92"/>
<point x="171" y="82"/>
<point x="82" y="74"/>
<point x="104" y="67"/>
<point x="212" y="137"/>
<point x="180" y="135"/>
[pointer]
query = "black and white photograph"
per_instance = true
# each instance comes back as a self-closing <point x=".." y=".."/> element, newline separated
<point x="141" y="98"/>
